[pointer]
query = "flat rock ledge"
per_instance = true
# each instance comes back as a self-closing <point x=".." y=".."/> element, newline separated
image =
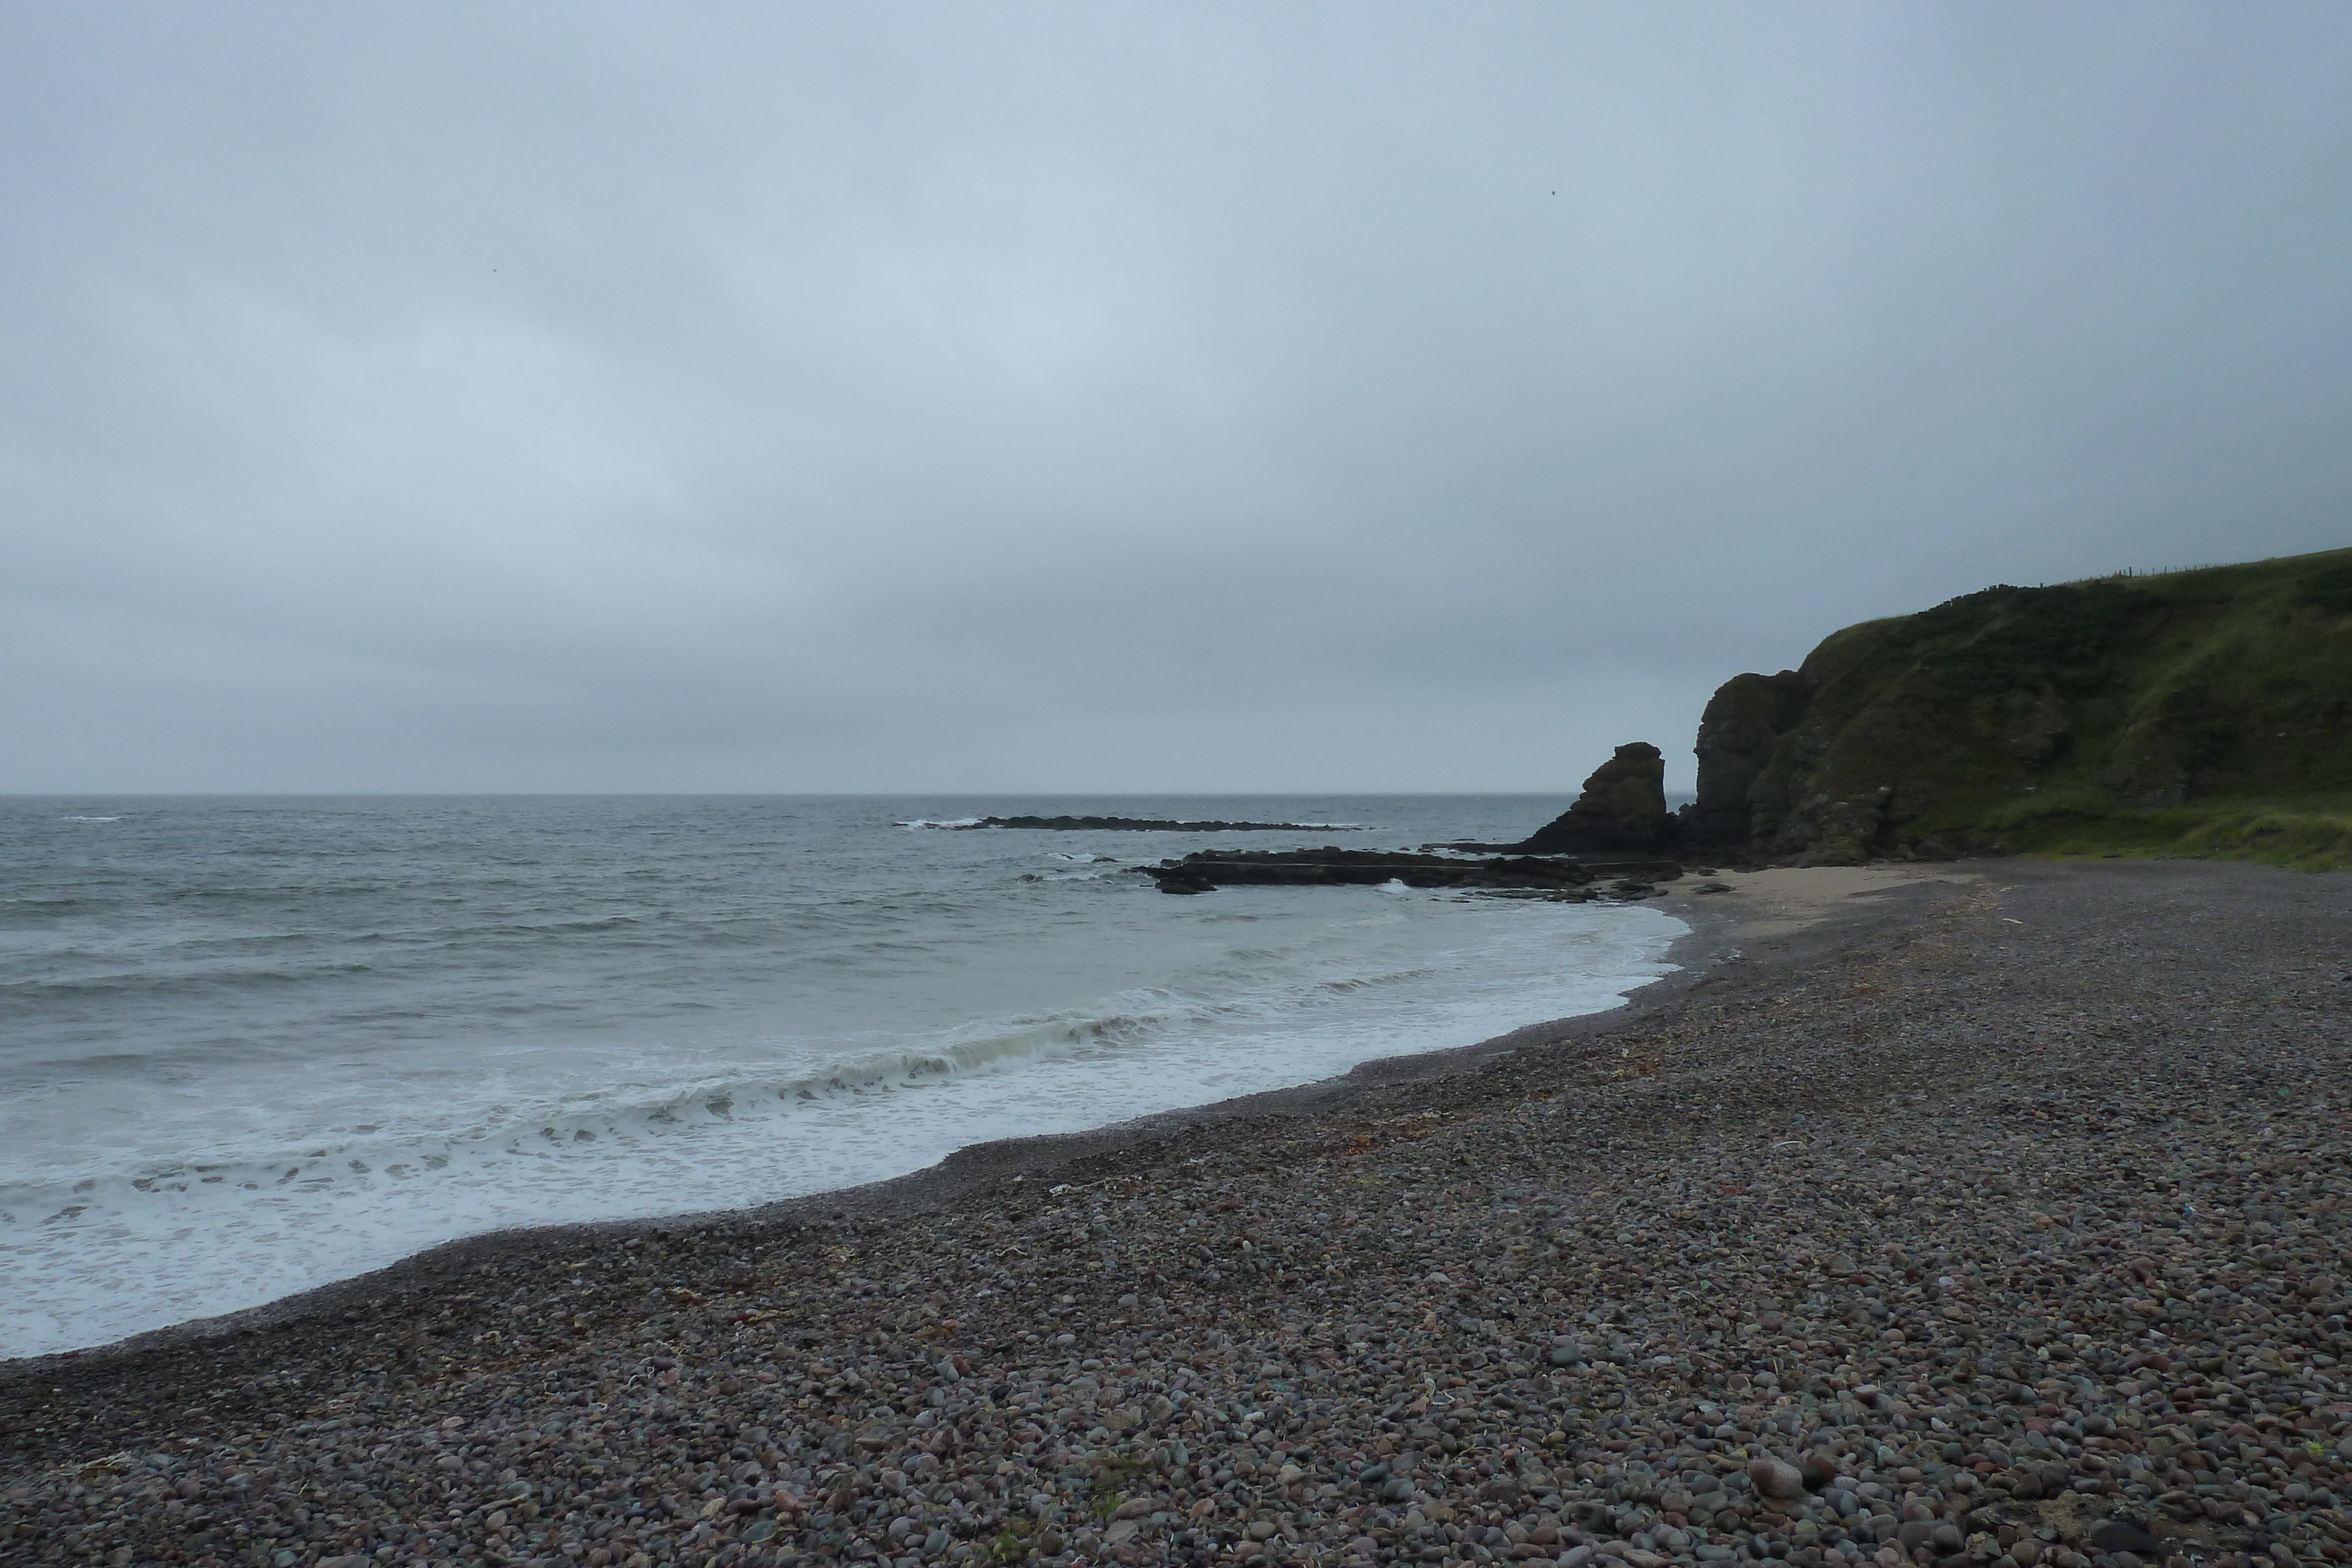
<point x="1997" y="1227"/>
<point x="1146" y="825"/>
<point x="1560" y="877"/>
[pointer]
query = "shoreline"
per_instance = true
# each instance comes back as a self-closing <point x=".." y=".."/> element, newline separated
<point x="1957" y="1167"/>
<point x="1711" y="930"/>
<point x="926" y="1183"/>
<point x="1774" y="903"/>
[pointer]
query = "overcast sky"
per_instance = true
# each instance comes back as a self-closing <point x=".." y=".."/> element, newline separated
<point x="1108" y="397"/>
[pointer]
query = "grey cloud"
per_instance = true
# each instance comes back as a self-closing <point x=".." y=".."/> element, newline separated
<point x="1029" y="397"/>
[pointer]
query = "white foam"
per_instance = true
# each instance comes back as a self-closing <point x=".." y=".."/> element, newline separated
<point x="122" y="1243"/>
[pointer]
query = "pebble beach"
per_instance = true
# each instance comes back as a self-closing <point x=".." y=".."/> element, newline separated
<point x="1994" y="1219"/>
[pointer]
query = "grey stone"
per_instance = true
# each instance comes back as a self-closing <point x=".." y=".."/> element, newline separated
<point x="2123" y="1535"/>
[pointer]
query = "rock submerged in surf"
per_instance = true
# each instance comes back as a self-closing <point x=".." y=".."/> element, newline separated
<point x="1140" y="825"/>
<point x="1567" y="880"/>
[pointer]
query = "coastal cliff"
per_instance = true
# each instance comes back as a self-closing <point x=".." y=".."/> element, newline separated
<point x="2125" y="709"/>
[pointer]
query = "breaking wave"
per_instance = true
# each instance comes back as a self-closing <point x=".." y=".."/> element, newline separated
<point x="258" y="1047"/>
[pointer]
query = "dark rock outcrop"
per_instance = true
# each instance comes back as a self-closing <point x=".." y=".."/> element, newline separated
<point x="1623" y="810"/>
<point x="1147" y="825"/>
<point x="1745" y="719"/>
<point x="2013" y="711"/>
<point x="1333" y="867"/>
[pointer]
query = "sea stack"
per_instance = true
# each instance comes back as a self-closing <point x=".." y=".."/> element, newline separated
<point x="1623" y="810"/>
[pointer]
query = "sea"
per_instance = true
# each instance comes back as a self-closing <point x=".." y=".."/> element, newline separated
<point x="250" y="1046"/>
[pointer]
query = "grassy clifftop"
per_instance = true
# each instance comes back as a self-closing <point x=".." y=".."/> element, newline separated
<point x="2195" y="711"/>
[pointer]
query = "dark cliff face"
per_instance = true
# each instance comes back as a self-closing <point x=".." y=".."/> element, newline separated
<point x="1748" y="717"/>
<point x="1928" y="732"/>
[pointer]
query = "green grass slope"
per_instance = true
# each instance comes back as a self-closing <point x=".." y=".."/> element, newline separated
<point x="2204" y="712"/>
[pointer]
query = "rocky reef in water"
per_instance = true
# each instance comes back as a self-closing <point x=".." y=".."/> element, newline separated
<point x="1147" y="825"/>
<point x="1568" y="880"/>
